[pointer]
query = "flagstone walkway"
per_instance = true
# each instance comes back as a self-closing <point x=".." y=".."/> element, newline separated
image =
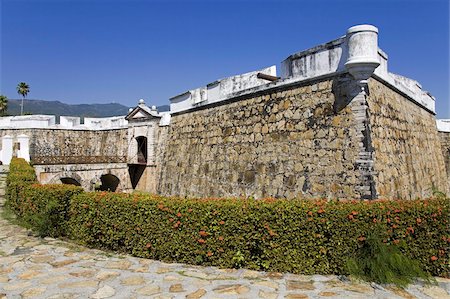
<point x="32" y="267"/>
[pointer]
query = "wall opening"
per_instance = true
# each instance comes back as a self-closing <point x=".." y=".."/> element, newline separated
<point x="136" y="171"/>
<point x="109" y="183"/>
<point x="70" y="181"/>
<point x="142" y="149"/>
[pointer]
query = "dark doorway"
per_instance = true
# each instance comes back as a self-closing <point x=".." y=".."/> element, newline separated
<point x="135" y="172"/>
<point x="109" y="183"/>
<point x="70" y="181"/>
<point x="142" y="149"/>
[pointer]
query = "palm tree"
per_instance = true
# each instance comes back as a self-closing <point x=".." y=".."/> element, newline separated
<point x="22" y="89"/>
<point x="3" y="104"/>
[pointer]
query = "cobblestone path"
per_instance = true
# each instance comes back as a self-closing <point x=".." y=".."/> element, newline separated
<point x="32" y="267"/>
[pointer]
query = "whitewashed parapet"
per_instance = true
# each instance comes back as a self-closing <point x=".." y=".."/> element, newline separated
<point x="66" y="122"/>
<point x="69" y="121"/>
<point x="332" y="57"/>
<point x="443" y="125"/>
<point x="219" y="90"/>
<point x="105" y="122"/>
<point x="30" y="121"/>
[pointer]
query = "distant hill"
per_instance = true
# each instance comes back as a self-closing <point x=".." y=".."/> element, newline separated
<point x="58" y="108"/>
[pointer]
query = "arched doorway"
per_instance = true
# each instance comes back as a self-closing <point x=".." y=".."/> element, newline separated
<point x="70" y="181"/>
<point x="142" y="149"/>
<point x="109" y="183"/>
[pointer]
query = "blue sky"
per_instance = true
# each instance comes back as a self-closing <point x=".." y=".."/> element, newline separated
<point x="104" y="51"/>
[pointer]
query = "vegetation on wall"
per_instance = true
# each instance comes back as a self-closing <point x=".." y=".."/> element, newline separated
<point x="298" y="236"/>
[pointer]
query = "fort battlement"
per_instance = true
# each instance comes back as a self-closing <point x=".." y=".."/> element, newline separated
<point x="333" y="123"/>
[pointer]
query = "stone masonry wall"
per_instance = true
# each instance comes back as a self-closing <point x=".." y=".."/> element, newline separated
<point x="445" y="147"/>
<point x="293" y="142"/>
<point x="408" y="157"/>
<point x="55" y="146"/>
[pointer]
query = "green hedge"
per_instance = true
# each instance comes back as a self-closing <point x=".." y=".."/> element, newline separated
<point x="43" y="207"/>
<point x="21" y="175"/>
<point x="298" y="236"/>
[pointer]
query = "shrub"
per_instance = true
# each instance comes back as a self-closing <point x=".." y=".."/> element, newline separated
<point x="297" y="236"/>
<point x="43" y="207"/>
<point x="384" y="264"/>
<point x="21" y="175"/>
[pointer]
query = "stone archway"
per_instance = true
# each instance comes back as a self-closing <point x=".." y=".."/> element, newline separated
<point x="67" y="177"/>
<point x="109" y="182"/>
<point x="70" y="181"/>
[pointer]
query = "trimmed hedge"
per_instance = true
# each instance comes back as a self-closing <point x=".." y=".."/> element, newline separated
<point x="43" y="207"/>
<point x="298" y="236"/>
<point x="21" y="175"/>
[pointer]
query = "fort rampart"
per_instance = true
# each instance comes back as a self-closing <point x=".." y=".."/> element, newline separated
<point x="335" y="124"/>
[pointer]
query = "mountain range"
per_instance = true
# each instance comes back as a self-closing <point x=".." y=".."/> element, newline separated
<point x="58" y="108"/>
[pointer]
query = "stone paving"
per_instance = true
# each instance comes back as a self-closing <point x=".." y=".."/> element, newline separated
<point x="32" y="267"/>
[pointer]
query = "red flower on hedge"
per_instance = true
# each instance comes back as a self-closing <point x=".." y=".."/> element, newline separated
<point x="221" y="222"/>
<point x="203" y="233"/>
<point x="201" y="241"/>
<point x="148" y="245"/>
<point x="209" y="253"/>
<point x="178" y="214"/>
<point x="220" y="238"/>
<point x="434" y="258"/>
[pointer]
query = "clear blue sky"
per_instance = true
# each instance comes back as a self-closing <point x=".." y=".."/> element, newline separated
<point x="119" y="51"/>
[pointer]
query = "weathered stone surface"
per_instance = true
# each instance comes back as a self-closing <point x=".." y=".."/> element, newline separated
<point x="267" y="294"/>
<point x="197" y="294"/>
<point x="33" y="292"/>
<point x="104" y="275"/>
<point x="42" y="259"/>
<point x="53" y="279"/>
<point x="267" y="283"/>
<point x="299" y="285"/>
<point x="83" y="273"/>
<point x="133" y="280"/>
<point x="78" y="284"/>
<point x="148" y="290"/>
<point x="122" y="265"/>
<point x="29" y="274"/>
<point x="104" y="292"/>
<point x="401" y="292"/>
<point x="362" y="288"/>
<point x="296" y="296"/>
<point x="176" y="288"/>
<point x="327" y="294"/>
<point x="408" y="161"/>
<point x="63" y="263"/>
<point x="16" y="286"/>
<point x="435" y="292"/>
<point x="233" y="289"/>
<point x="252" y="147"/>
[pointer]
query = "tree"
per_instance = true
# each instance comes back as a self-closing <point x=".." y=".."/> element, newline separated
<point x="3" y="104"/>
<point x="22" y="89"/>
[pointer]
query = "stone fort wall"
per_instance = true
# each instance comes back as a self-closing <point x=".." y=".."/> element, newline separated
<point x="445" y="146"/>
<point x="65" y="146"/>
<point x="283" y="143"/>
<point x="408" y="158"/>
<point x="299" y="142"/>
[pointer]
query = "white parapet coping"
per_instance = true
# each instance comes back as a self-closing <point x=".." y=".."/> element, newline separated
<point x="66" y="122"/>
<point x="219" y="90"/>
<point x="356" y="52"/>
<point x="443" y="125"/>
